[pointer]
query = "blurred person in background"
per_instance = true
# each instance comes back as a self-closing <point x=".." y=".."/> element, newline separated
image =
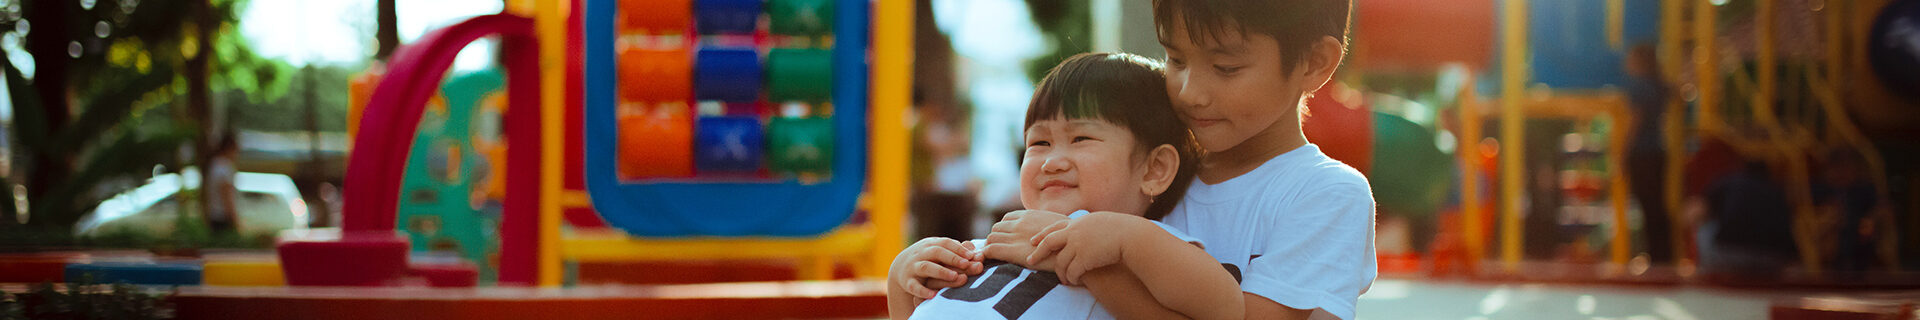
<point x="945" y="196"/>
<point x="1648" y="95"/>
<point x="1746" y="221"/>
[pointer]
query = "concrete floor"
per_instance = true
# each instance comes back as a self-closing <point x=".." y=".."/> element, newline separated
<point x="1423" y="299"/>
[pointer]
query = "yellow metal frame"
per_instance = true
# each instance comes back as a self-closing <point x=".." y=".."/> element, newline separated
<point x="1784" y="146"/>
<point x="1513" y="83"/>
<point x="1516" y="104"/>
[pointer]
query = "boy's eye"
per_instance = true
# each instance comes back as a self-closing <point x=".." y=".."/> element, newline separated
<point x="1228" y="69"/>
<point x="1176" y="62"/>
<point x="1082" y="138"/>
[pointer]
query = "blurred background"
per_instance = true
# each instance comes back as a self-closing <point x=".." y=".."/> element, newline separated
<point x="1635" y="159"/>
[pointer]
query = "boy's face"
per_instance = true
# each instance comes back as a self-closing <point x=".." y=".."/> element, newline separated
<point x="1230" y="87"/>
<point x="1081" y="164"/>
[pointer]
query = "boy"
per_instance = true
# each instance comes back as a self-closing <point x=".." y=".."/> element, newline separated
<point x="1293" y="225"/>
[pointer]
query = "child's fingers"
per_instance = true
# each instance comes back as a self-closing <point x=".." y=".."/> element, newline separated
<point x="920" y="291"/>
<point x="914" y="287"/>
<point x="1067" y="267"/>
<point x="1050" y="229"/>
<point x="948" y="258"/>
<point x="1006" y="225"/>
<point x="972" y="253"/>
<point x="924" y="270"/>
<point x="1005" y="252"/>
<point x="1046" y="249"/>
<point x="1013" y="216"/>
<point x="1005" y="237"/>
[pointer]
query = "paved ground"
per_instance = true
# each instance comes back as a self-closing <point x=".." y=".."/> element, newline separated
<point x="1423" y="299"/>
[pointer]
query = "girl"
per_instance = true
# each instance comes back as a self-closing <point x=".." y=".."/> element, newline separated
<point x="1100" y="136"/>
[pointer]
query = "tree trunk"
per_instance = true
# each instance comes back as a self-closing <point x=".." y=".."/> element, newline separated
<point x="200" y="104"/>
<point x="388" y="35"/>
<point x="315" y="172"/>
<point x="48" y="45"/>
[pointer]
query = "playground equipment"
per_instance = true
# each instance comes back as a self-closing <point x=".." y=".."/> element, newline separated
<point x="1570" y="67"/>
<point x="1755" y="119"/>
<point x="446" y="190"/>
<point x="800" y="169"/>
<point x="655" y="166"/>
<point x="1559" y="60"/>
<point x="367" y="250"/>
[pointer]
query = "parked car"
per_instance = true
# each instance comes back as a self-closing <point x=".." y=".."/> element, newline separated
<point x="266" y="204"/>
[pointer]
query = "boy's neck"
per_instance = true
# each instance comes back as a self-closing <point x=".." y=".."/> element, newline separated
<point x="1222" y="165"/>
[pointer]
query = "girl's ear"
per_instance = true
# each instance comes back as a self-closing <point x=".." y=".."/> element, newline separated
<point x="1163" y="162"/>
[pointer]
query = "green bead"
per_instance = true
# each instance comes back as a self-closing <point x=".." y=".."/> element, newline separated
<point x="800" y="145"/>
<point x="799" y="75"/>
<point x="801" y="17"/>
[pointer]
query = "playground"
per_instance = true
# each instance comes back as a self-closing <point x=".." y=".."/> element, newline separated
<point x="768" y="159"/>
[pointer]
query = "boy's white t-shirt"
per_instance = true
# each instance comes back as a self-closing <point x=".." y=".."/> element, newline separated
<point x="1008" y="291"/>
<point x="1297" y="230"/>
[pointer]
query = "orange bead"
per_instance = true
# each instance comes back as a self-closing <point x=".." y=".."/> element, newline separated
<point x="656" y="75"/>
<point x="656" y="142"/>
<point x="656" y="16"/>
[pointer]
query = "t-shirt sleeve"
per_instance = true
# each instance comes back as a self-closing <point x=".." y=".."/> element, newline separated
<point x="1180" y="235"/>
<point x="1318" y="253"/>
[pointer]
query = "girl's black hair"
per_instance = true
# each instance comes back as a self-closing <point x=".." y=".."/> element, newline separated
<point x="1129" y="91"/>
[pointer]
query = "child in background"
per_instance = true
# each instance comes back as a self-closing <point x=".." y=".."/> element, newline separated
<point x="1100" y="137"/>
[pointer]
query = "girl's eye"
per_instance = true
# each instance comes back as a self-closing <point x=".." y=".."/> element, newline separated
<point x="1228" y="69"/>
<point x="1037" y="143"/>
<point x="1082" y="138"/>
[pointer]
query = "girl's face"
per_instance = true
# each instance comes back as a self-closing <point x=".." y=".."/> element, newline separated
<point x="1082" y="164"/>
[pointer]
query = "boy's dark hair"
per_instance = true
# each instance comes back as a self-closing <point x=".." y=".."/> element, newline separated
<point x="1294" y="24"/>
<point x="1129" y="91"/>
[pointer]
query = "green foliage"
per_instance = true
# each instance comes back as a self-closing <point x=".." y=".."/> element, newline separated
<point x="321" y="87"/>
<point x="1069" y="24"/>
<point x="10" y="308"/>
<point x="127" y="92"/>
<point x="84" y="300"/>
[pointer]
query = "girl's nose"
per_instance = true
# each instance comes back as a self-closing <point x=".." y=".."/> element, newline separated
<point x="1055" y="164"/>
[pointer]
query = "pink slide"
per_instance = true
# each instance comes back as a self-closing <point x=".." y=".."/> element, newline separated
<point x="368" y="251"/>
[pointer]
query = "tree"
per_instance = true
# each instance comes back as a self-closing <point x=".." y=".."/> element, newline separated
<point x="105" y="101"/>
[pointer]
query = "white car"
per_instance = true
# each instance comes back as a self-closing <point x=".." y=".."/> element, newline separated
<point x="267" y="203"/>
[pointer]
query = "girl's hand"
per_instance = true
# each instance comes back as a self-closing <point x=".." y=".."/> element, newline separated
<point x="932" y="264"/>
<point x="1012" y="239"/>
<point x="1080" y="245"/>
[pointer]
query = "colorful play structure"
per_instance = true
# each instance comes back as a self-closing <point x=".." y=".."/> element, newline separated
<point x="1565" y="60"/>
<point x="618" y="138"/>
<point x="634" y="131"/>
<point x="767" y="185"/>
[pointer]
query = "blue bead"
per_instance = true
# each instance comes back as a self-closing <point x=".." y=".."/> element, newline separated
<point x="726" y="16"/>
<point x="731" y="75"/>
<point x="728" y="145"/>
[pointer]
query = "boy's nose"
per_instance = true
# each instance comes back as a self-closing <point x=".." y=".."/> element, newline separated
<point x="1190" y="94"/>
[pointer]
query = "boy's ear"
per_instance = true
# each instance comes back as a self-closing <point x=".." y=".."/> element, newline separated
<point x="1321" y="61"/>
<point x="1163" y="162"/>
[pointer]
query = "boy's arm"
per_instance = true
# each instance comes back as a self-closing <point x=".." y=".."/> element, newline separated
<point x="1181" y="276"/>
<point x="1175" y="273"/>
<point x="1124" y="296"/>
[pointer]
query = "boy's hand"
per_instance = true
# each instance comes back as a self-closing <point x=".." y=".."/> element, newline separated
<point x="1012" y="237"/>
<point x="1080" y="245"/>
<point x="932" y="264"/>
